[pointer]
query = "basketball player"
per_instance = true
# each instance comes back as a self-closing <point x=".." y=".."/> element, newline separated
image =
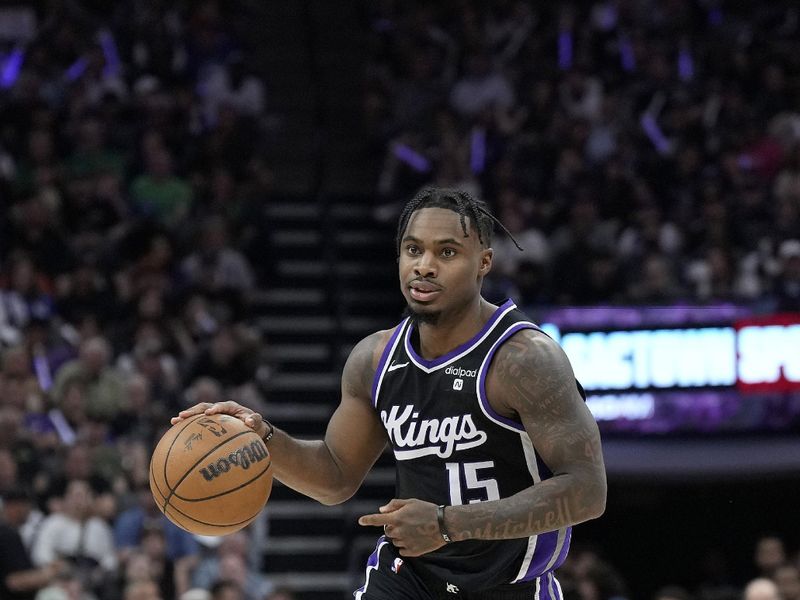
<point x="497" y="455"/>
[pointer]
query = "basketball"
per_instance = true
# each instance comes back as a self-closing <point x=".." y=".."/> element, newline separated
<point x="211" y="475"/>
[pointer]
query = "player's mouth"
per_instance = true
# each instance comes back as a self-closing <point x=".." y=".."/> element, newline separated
<point x="424" y="291"/>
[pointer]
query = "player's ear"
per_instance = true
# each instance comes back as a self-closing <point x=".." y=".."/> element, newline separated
<point x="486" y="262"/>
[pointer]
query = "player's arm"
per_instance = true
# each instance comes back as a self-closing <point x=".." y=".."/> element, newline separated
<point x="329" y="470"/>
<point x="531" y="379"/>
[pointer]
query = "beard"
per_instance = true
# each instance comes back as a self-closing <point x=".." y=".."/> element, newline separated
<point x="418" y="317"/>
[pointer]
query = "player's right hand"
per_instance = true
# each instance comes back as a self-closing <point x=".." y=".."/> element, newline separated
<point x="250" y="418"/>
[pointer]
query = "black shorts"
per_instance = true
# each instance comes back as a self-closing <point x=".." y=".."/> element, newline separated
<point x="390" y="577"/>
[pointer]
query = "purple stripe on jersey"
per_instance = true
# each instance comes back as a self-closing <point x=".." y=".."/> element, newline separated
<point x="544" y="587"/>
<point x="430" y="364"/>
<point x="382" y="362"/>
<point x="545" y="546"/>
<point x="562" y="556"/>
<point x="372" y="561"/>
<point x="482" y="382"/>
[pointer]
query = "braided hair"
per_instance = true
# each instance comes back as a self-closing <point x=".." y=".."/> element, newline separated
<point x="460" y="202"/>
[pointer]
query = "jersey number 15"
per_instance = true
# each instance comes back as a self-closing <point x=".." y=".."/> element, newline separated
<point x="465" y="483"/>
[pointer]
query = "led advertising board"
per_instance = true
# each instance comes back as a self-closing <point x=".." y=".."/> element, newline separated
<point x="683" y="369"/>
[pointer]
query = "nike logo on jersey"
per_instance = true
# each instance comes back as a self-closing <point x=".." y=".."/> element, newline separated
<point x="393" y="366"/>
<point x="426" y="437"/>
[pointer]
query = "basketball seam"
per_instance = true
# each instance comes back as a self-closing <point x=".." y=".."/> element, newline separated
<point x="166" y="460"/>
<point x="191" y="518"/>
<point x="230" y="491"/>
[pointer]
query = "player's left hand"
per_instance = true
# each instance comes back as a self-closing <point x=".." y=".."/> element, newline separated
<point x="410" y="524"/>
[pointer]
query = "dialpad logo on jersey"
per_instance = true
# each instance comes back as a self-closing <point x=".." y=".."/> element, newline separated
<point x="242" y="458"/>
<point x="426" y="437"/>
<point x="459" y="372"/>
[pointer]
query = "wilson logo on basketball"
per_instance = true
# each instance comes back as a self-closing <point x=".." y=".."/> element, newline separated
<point x="243" y="457"/>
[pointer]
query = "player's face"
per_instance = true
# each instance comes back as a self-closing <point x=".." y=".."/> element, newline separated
<point x="440" y="269"/>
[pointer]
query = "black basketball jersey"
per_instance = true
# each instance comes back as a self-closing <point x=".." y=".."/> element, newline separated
<point x="452" y="448"/>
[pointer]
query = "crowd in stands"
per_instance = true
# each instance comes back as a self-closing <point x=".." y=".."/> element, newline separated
<point x="647" y="150"/>
<point x="132" y="185"/>
<point x="641" y="151"/>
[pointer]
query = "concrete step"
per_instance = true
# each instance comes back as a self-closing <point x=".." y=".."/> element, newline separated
<point x="287" y="353"/>
<point x="299" y="325"/>
<point x="351" y="211"/>
<point x="304" y="544"/>
<point x="297" y="237"/>
<point x="304" y="381"/>
<point x="294" y="411"/>
<point x="293" y="210"/>
<point x="311" y="582"/>
<point x="319" y="268"/>
<point x="364" y="237"/>
<point x="290" y="295"/>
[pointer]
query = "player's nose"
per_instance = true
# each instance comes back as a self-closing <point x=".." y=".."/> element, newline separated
<point x="425" y="266"/>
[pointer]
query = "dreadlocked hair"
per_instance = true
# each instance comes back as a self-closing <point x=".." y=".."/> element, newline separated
<point x="460" y="202"/>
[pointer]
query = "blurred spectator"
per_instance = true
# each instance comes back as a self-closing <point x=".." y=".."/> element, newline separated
<point x="142" y="590"/>
<point x="770" y="553"/>
<point x="152" y="564"/>
<point x="672" y="592"/>
<point x="787" y="578"/>
<point x="230" y="563"/>
<point x="482" y="87"/>
<point x="215" y="267"/>
<point x="19" y="387"/>
<point x="602" y="582"/>
<point x="195" y="594"/>
<point x="78" y="537"/>
<point x="140" y="417"/>
<point x="204" y="389"/>
<point x="281" y="593"/>
<point x="23" y="298"/>
<point x="226" y="590"/>
<point x="158" y="192"/>
<point x="91" y="156"/>
<point x="87" y="293"/>
<point x="92" y="369"/>
<point x="19" y="579"/>
<point x="231" y="359"/>
<point x="36" y="234"/>
<point x="67" y="585"/>
<point x="131" y="525"/>
<point x="9" y="471"/>
<point x="233" y="84"/>
<point x="761" y="589"/>
<point x="20" y="513"/>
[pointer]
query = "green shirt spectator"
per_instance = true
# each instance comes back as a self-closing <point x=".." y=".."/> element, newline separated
<point x="161" y="193"/>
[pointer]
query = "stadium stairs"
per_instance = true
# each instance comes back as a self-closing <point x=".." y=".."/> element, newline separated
<point x="334" y="279"/>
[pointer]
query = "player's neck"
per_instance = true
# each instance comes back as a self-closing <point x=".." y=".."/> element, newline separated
<point x="454" y="329"/>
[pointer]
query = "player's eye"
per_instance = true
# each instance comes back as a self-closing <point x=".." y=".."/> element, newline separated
<point x="448" y="252"/>
<point x="412" y="249"/>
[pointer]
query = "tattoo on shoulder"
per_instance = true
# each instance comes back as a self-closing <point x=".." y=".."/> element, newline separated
<point x="534" y="374"/>
<point x="360" y="367"/>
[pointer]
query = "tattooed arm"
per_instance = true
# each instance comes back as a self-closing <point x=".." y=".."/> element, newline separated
<point x="531" y="380"/>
